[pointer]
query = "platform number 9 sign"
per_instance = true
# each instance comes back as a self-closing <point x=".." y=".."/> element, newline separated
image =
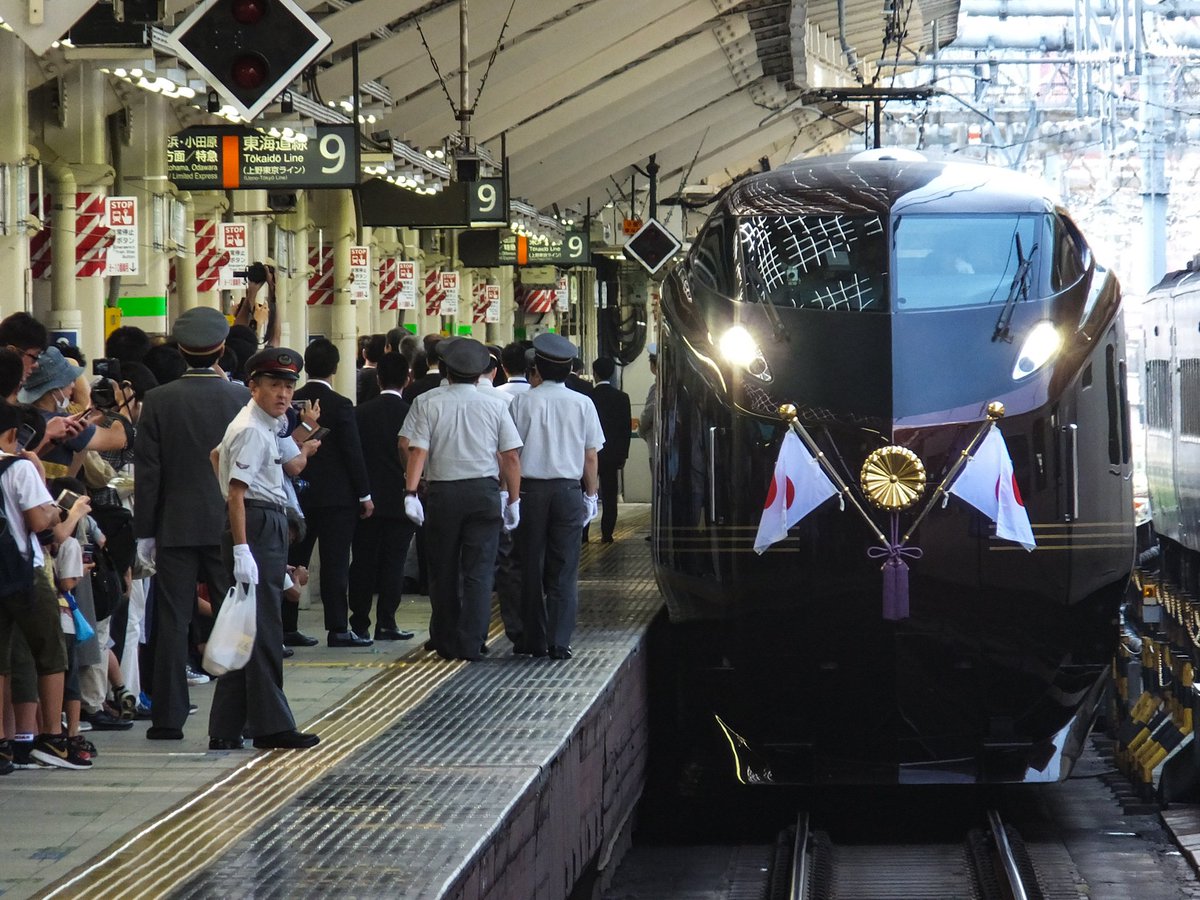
<point x="487" y="201"/>
<point x="332" y="148"/>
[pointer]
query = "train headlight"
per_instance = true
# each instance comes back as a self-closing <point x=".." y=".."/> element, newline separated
<point x="740" y="349"/>
<point x="1042" y="342"/>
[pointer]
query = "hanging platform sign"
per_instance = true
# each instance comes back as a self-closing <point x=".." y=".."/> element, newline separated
<point x="360" y="274"/>
<point x="121" y="218"/>
<point x="408" y="277"/>
<point x="229" y="157"/>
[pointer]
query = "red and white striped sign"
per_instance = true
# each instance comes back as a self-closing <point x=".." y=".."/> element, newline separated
<point x="92" y="234"/>
<point x="320" y="282"/>
<point x="209" y="256"/>
<point x="538" y="299"/>
<point x="479" y="302"/>
<point x="92" y="237"/>
<point x="389" y="285"/>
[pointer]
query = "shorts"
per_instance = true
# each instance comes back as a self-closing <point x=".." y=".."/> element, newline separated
<point x="37" y="618"/>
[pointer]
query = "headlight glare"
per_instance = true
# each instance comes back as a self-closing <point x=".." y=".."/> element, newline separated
<point x="738" y="346"/>
<point x="1039" y="347"/>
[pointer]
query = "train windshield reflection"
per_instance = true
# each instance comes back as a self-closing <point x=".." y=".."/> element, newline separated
<point x="946" y="262"/>
<point x="828" y="262"/>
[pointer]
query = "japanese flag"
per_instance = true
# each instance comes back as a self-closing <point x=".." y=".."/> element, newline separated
<point x="797" y="488"/>
<point x="988" y="484"/>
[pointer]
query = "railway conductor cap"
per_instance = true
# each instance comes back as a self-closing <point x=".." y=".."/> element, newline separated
<point x="276" y="362"/>
<point x="554" y="348"/>
<point x="465" y="357"/>
<point x="201" y="330"/>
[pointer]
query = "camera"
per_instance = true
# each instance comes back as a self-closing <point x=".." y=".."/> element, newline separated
<point x="66" y="499"/>
<point x="256" y="274"/>
<point x="107" y="368"/>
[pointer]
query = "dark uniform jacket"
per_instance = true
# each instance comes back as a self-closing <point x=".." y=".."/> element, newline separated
<point x="379" y="422"/>
<point x="612" y="405"/>
<point x="336" y="474"/>
<point x="176" y="496"/>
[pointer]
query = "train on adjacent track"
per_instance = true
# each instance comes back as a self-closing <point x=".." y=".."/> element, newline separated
<point x="885" y="299"/>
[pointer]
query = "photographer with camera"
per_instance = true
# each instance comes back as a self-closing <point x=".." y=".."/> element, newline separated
<point x="258" y="310"/>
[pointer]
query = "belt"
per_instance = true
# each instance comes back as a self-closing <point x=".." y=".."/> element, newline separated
<point x="266" y="504"/>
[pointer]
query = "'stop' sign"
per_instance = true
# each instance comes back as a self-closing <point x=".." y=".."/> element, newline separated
<point x="229" y="157"/>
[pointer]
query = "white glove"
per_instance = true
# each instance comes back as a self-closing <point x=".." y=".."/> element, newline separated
<point x="591" y="507"/>
<point x="414" y="510"/>
<point x="245" y="569"/>
<point x="512" y="515"/>
<point x="503" y="502"/>
<point x="146" y="548"/>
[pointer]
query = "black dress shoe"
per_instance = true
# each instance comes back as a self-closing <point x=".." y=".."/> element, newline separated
<point x="288" y="652"/>
<point x="606" y="540"/>
<point x="393" y="634"/>
<point x="298" y="639"/>
<point x="225" y="744"/>
<point x="103" y="720"/>
<point x="286" y="740"/>
<point x="163" y="733"/>
<point x="429" y="646"/>
<point x="348" y="639"/>
<point x="483" y="649"/>
<point x="524" y="650"/>
<point x="560" y="652"/>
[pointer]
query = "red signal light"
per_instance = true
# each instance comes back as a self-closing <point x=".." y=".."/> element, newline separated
<point x="249" y="12"/>
<point x="250" y="71"/>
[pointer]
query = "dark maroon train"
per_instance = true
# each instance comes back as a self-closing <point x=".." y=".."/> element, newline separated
<point x="890" y="298"/>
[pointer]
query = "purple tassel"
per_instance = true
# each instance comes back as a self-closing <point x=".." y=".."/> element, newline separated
<point x="895" y="589"/>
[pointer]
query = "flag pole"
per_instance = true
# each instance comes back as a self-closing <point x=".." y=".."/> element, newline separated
<point x="995" y="412"/>
<point x="789" y="413"/>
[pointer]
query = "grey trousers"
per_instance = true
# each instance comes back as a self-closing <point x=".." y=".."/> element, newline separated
<point x="549" y="538"/>
<point x="462" y="531"/>
<point x="250" y="701"/>
<point x="179" y="569"/>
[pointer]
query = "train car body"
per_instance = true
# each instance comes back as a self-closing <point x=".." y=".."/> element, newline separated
<point x="886" y="300"/>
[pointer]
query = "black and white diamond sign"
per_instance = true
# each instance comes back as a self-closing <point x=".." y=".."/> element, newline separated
<point x="652" y="246"/>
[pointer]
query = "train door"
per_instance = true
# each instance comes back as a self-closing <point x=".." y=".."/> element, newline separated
<point x="1158" y="387"/>
<point x="1185" y="344"/>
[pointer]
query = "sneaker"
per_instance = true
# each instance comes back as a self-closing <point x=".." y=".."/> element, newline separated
<point x="103" y="720"/>
<point x="6" y="757"/>
<point x="195" y="678"/>
<point x="83" y="746"/>
<point x="56" y="750"/>
<point x="23" y="756"/>
<point x="84" y="724"/>
<point x="125" y="702"/>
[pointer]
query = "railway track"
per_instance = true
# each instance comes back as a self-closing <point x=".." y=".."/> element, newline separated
<point x="988" y="864"/>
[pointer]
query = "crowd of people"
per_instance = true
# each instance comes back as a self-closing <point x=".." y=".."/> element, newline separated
<point x="178" y="472"/>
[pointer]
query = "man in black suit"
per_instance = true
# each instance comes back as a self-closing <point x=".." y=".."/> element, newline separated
<point x="337" y="496"/>
<point x="612" y="404"/>
<point x="381" y="541"/>
<point x="432" y="378"/>
<point x="367" y="385"/>
<point x="179" y="512"/>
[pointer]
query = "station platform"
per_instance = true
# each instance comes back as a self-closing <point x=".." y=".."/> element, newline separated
<point x="500" y="778"/>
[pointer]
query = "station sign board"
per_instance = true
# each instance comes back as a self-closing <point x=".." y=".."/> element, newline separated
<point x="573" y="249"/>
<point x="229" y="157"/>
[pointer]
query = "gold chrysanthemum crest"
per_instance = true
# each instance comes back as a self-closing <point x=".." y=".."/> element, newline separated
<point x="893" y="478"/>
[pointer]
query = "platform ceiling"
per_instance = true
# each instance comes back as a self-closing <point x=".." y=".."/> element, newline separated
<point x="584" y="89"/>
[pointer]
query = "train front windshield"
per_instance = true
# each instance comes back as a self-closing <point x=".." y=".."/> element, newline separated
<point x="836" y="262"/>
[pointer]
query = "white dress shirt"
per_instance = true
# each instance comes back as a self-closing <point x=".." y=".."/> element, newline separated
<point x="557" y="425"/>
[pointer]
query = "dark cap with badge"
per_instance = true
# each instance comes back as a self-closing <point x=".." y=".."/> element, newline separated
<point x="200" y="330"/>
<point x="554" y="348"/>
<point x="465" y="357"/>
<point x="276" y="362"/>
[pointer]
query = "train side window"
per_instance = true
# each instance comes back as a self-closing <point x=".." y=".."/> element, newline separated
<point x="1189" y="397"/>
<point x="1069" y="252"/>
<point x="1158" y="394"/>
<point x="1114" y="405"/>
<point x="710" y="263"/>
<point x="1123" y="382"/>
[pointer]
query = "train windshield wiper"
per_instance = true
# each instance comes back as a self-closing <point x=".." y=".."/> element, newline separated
<point x="778" y="329"/>
<point x="1018" y="289"/>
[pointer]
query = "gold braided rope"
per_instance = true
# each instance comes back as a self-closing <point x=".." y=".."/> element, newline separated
<point x="893" y="478"/>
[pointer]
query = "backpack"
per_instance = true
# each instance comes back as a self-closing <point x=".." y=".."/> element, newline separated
<point x="16" y="572"/>
<point x="108" y="587"/>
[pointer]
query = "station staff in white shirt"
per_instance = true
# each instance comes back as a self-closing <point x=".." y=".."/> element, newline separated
<point x="562" y="435"/>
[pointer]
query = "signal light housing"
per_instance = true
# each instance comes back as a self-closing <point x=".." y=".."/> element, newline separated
<point x="249" y="51"/>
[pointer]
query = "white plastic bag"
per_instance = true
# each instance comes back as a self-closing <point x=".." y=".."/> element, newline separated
<point x="232" y="638"/>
